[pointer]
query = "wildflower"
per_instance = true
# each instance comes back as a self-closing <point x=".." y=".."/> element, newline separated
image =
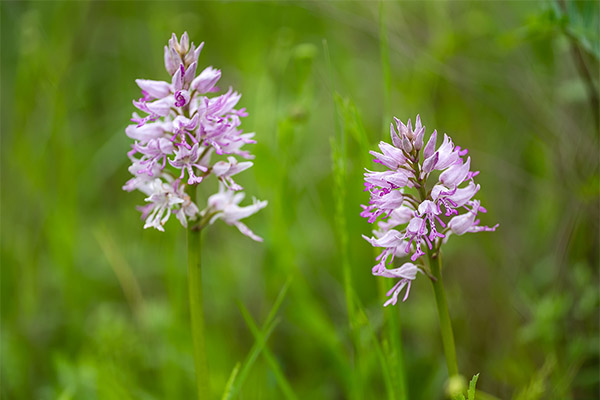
<point x="411" y="205"/>
<point x="225" y="205"/>
<point x="406" y="273"/>
<point x="162" y="198"/>
<point x="179" y="130"/>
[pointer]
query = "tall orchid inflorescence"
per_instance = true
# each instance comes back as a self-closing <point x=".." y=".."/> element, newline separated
<point x="176" y="139"/>
<point x="424" y="196"/>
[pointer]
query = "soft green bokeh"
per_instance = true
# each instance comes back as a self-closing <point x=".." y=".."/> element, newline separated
<point x="95" y="307"/>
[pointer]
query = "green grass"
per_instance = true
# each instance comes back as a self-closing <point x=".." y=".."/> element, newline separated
<point x="95" y="307"/>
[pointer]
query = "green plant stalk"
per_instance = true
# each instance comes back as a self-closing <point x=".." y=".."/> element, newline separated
<point x="197" y="311"/>
<point x="444" y="315"/>
<point x="440" y="299"/>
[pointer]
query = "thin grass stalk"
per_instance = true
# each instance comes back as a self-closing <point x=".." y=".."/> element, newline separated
<point x="393" y="324"/>
<point x="280" y="378"/>
<point x="338" y="146"/>
<point x="384" y="53"/>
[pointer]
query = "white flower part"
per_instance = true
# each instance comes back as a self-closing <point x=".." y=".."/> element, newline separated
<point x="406" y="271"/>
<point x="419" y="133"/>
<point x="429" y="149"/>
<point x="399" y="216"/>
<point x="141" y="180"/>
<point x="447" y="155"/>
<point x="456" y="174"/>
<point x="146" y="132"/>
<point x="463" y="195"/>
<point x="428" y="207"/>
<point x="162" y="107"/>
<point x="206" y="81"/>
<point x="156" y="89"/>
<point x="224" y="170"/>
<point x="389" y="200"/>
<point x="397" y="178"/>
<point x="234" y="147"/>
<point x="429" y="163"/>
<point x="188" y="209"/>
<point x="181" y="123"/>
<point x="463" y="223"/>
<point x="190" y="73"/>
<point x="390" y="156"/>
<point x="177" y="79"/>
<point x="393" y="242"/>
<point x="163" y="198"/>
<point x="225" y="205"/>
<point x="390" y="238"/>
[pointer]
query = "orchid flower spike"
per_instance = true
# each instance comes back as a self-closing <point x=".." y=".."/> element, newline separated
<point x="425" y="194"/>
<point x="182" y="132"/>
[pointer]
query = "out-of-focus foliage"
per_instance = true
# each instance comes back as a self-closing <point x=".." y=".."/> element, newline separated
<point x="94" y="307"/>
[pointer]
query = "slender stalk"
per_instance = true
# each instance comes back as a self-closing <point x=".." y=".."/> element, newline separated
<point x="440" y="297"/>
<point x="579" y="58"/>
<point x="442" y="306"/>
<point x="197" y="312"/>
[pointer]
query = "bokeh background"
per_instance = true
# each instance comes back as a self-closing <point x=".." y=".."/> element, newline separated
<point x="95" y="307"/>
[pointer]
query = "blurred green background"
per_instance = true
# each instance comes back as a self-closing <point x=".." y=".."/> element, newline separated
<point x="95" y="307"/>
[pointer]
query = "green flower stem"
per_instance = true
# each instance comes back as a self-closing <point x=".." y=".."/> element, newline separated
<point x="197" y="311"/>
<point x="440" y="295"/>
<point x="442" y="306"/>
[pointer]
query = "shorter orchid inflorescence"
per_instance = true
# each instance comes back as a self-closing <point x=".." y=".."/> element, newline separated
<point x="175" y="141"/>
<point x="424" y="196"/>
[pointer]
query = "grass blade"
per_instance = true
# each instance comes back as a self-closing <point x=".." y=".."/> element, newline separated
<point x="237" y="380"/>
<point x="273" y="364"/>
<point x="228" y="392"/>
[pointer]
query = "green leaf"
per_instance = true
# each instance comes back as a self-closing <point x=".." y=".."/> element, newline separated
<point x="237" y="380"/>
<point x="581" y="23"/>
<point x="471" y="392"/>
<point x="228" y="392"/>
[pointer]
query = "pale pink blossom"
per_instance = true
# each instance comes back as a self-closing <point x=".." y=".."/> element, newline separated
<point x="411" y="208"/>
<point x="181" y="133"/>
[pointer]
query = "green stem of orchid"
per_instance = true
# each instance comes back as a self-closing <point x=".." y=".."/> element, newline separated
<point x="197" y="311"/>
<point x="440" y="297"/>
<point x="444" y="316"/>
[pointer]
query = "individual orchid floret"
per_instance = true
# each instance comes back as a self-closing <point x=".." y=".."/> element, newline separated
<point x="225" y="170"/>
<point x="162" y="199"/>
<point x="186" y="160"/>
<point x="143" y="134"/>
<point x="155" y="152"/>
<point x="206" y="81"/>
<point x="424" y="195"/>
<point x="464" y="223"/>
<point x="179" y="140"/>
<point x="416" y="231"/>
<point x="188" y="210"/>
<point x="392" y="243"/>
<point x="153" y="89"/>
<point x="406" y="274"/>
<point x="225" y="205"/>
